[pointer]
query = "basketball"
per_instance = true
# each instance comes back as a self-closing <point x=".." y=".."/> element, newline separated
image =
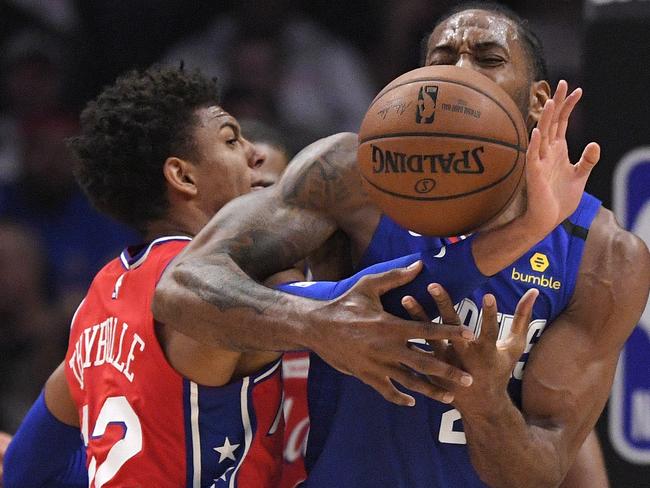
<point x="442" y="150"/>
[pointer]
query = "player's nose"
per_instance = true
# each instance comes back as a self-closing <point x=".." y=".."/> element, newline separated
<point x="255" y="157"/>
<point x="465" y="61"/>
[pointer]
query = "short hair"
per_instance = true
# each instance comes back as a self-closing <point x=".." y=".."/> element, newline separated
<point x="129" y="131"/>
<point x="532" y="43"/>
<point x="257" y="131"/>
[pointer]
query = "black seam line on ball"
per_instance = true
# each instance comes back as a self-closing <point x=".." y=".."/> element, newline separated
<point x="516" y="147"/>
<point x="448" y="80"/>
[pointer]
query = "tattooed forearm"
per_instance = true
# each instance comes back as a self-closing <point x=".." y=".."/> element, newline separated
<point x="321" y="176"/>
<point x="215" y="303"/>
<point x="272" y="239"/>
<point x="210" y="290"/>
<point x="224" y="286"/>
<point x="318" y="183"/>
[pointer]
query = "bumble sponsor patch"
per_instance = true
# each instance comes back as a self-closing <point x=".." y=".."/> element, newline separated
<point x="538" y="262"/>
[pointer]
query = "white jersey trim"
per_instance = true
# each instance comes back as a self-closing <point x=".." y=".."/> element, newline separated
<point x="124" y="257"/>
<point x="196" y="439"/>
<point x="269" y="372"/>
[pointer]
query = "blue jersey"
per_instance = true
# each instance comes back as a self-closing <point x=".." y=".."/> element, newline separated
<point x="358" y="439"/>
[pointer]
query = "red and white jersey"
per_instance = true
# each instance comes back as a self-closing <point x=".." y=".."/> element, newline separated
<point x="144" y="424"/>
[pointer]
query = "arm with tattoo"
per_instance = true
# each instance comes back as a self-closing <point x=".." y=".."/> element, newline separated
<point x="210" y="291"/>
<point x="250" y="239"/>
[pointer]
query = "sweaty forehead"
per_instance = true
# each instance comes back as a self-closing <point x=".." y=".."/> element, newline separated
<point x="214" y="112"/>
<point x="214" y="116"/>
<point x="475" y="26"/>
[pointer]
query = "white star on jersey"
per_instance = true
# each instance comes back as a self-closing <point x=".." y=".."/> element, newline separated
<point x="226" y="451"/>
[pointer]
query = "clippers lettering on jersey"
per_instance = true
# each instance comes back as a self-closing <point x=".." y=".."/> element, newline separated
<point x="105" y="343"/>
<point x="471" y="316"/>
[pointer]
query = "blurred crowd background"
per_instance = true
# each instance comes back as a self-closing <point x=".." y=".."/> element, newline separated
<point x="308" y="68"/>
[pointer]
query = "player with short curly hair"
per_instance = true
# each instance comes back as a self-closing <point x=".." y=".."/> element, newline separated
<point x="154" y="407"/>
<point x="129" y="131"/>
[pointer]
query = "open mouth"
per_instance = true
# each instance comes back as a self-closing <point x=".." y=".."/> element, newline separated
<point x="260" y="185"/>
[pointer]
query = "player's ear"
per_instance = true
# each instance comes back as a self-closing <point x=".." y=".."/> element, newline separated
<point x="540" y="91"/>
<point x="179" y="174"/>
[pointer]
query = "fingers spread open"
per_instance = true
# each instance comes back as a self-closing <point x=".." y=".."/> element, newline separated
<point x="544" y="126"/>
<point x="445" y="304"/>
<point x="382" y="282"/>
<point x="523" y="312"/>
<point x="420" y="384"/>
<point x="532" y="153"/>
<point x="414" y="309"/>
<point x="489" y="323"/>
<point x="565" y="112"/>
<point x="588" y="160"/>
<point x="559" y="97"/>
<point x="386" y="388"/>
<point x="436" y="332"/>
<point x="426" y="363"/>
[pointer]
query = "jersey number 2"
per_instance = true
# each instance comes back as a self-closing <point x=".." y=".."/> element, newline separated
<point x="116" y="410"/>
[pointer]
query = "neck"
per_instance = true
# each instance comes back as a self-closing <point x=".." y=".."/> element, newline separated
<point x="181" y="219"/>
<point x="170" y="227"/>
<point x="514" y="209"/>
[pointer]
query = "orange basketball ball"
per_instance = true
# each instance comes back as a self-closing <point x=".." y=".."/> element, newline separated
<point x="442" y="150"/>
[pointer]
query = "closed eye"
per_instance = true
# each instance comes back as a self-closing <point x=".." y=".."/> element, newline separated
<point x="441" y="55"/>
<point x="490" y="60"/>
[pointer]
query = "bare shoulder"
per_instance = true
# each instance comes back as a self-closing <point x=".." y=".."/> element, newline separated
<point x="615" y="249"/>
<point x="58" y="398"/>
<point x="578" y="354"/>
<point x="614" y="277"/>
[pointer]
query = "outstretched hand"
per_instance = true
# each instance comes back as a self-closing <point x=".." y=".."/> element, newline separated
<point x="361" y="339"/>
<point x="554" y="185"/>
<point x="490" y="361"/>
